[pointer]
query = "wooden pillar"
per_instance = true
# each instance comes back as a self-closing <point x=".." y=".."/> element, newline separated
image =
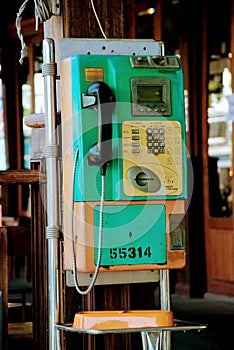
<point x="39" y="262"/>
<point x="197" y="121"/>
<point x="4" y="286"/>
<point x="78" y="21"/>
<point x="158" y="16"/>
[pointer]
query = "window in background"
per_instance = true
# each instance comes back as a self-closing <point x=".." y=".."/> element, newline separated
<point x="220" y="138"/>
<point x="32" y="95"/>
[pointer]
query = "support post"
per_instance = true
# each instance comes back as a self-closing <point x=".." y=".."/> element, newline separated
<point x="165" y="299"/>
<point x="51" y="155"/>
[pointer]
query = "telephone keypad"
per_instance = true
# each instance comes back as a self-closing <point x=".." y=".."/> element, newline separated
<point x="157" y="146"/>
<point x="156" y="135"/>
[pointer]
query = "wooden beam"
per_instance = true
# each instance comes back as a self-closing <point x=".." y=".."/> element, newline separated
<point x="20" y="177"/>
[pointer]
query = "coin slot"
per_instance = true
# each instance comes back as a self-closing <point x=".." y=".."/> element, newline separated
<point x="144" y="179"/>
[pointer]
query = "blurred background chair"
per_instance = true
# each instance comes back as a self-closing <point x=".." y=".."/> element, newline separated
<point x="19" y="268"/>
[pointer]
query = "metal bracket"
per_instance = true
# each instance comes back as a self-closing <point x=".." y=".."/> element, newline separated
<point x="74" y="46"/>
<point x="56" y="7"/>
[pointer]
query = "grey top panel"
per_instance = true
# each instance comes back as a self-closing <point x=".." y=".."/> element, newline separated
<point x="72" y="47"/>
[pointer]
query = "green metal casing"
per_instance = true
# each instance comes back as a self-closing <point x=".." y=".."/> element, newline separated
<point x="118" y="73"/>
<point x="129" y="231"/>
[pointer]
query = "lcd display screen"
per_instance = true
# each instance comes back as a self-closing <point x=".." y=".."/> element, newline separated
<point x="149" y="94"/>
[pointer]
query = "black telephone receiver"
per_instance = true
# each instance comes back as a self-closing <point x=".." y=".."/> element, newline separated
<point x="101" y="153"/>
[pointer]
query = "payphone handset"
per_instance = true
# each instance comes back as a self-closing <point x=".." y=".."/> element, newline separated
<point x="128" y="124"/>
<point x="101" y="153"/>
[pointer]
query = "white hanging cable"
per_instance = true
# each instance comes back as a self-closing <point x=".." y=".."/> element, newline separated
<point x="23" y="52"/>
<point x="43" y="12"/>
<point x="94" y="277"/>
<point x="99" y="23"/>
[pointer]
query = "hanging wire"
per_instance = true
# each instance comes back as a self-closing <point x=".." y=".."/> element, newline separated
<point x="23" y="52"/>
<point x="43" y="12"/>
<point x="99" y="23"/>
<point x="100" y="234"/>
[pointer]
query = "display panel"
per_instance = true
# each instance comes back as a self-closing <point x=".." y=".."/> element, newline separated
<point x="149" y="94"/>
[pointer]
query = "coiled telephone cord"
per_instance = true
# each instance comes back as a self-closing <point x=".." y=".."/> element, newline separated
<point x="95" y="275"/>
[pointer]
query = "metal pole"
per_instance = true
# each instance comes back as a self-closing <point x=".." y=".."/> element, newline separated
<point x="165" y="299"/>
<point x="165" y="294"/>
<point x="51" y="155"/>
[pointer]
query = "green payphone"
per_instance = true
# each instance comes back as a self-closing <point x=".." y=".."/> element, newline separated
<point x="124" y="179"/>
<point x="124" y="159"/>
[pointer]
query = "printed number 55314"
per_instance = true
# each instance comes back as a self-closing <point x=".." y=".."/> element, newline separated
<point x="130" y="252"/>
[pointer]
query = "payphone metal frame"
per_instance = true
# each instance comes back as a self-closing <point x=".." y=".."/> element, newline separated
<point x="136" y="47"/>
